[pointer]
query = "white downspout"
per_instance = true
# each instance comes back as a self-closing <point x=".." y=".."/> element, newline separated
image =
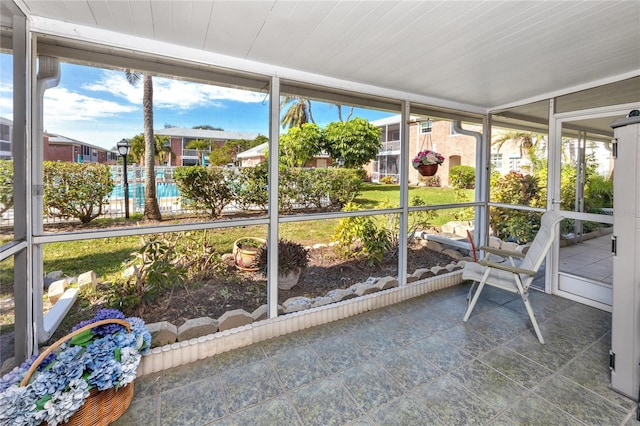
<point x="48" y="77"/>
<point x="482" y="184"/>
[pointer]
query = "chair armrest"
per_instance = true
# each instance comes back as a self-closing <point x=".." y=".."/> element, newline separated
<point x="501" y="252"/>
<point x="508" y="268"/>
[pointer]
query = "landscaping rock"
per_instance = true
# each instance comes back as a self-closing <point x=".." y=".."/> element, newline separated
<point x="495" y="242"/>
<point x="321" y="301"/>
<point x="341" y="294"/>
<point x="56" y="290"/>
<point x="54" y="275"/>
<point x="423" y="273"/>
<point x="453" y="267"/>
<point x="295" y="304"/>
<point x="385" y="283"/>
<point x="453" y="253"/>
<point x="197" y="327"/>
<point x="439" y="270"/>
<point x="162" y="333"/>
<point x="233" y="319"/>
<point x="411" y="278"/>
<point x="435" y="246"/>
<point x="87" y="280"/>
<point x="260" y="313"/>
<point x="365" y="288"/>
<point x="509" y="246"/>
<point x="227" y="257"/>
<point x="129" y="272"/>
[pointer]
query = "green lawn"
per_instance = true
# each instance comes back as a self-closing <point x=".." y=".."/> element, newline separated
<point x="106" y="256"/>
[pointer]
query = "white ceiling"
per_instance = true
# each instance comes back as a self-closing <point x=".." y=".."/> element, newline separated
<point x="484" y="54"/>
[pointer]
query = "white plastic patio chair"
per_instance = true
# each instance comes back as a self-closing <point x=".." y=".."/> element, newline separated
<point x="512" y="277"/>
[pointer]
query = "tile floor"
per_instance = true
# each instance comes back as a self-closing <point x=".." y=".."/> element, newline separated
<point x="592" y="259"/>
<point x="414" y="363"/>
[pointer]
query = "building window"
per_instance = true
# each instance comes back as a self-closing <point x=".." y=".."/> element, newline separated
<point x="426" y="126"/>
<point x="5" y="132"/>
<point x="395" y="136"/>
<point x="514" y="163"/>
<point x="496" y="161"/>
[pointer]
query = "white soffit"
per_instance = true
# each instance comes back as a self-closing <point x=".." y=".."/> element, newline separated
<point x="484" y="54"/>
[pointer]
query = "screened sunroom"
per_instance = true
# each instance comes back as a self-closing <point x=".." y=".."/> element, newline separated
<point x="519" y="98"/>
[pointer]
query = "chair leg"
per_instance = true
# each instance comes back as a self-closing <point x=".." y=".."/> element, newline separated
<point x="527" y="305"/>
<point x="470" y="293"/>
<point x="477" y="295"/>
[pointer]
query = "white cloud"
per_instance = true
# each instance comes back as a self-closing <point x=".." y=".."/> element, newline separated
<point x="61" y="104"/>
<point x="169" y="93"/>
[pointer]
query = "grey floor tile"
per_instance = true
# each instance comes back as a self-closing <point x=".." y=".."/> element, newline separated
<point x="298" y="367"/>
<point x="488" y="384"/>
<point x="517" y="367"/>
<point x="370" y="385"/>
<point x="340" y="353"/>
<point x="325" y="402"/>
<point x="141" y="411"/>
<point x="194" y="404"/>
<point x="454" y="404"/>
<point x="463" y="337"/>
<point x="278" y="411"/>
<point x="439" y="352"/>
<point x="432" y="321"/>
<point x="590" y="369"/>
<point x="580" y="402"/>
<point x="404" y="330"/>
<point x="374" y="340"/>
<point x="148" y="385"/>
<point x="408" y="368"/>
<point x="405" y="411"/>
<point x="187" y="374"/>
<point x="250" y="384"/>
<point x="533" y="410"/>
<point x="239" y="357"/>
<point x="319" y="333"/>
<point x="283" y="344"/>
<point x="557" y="350"/>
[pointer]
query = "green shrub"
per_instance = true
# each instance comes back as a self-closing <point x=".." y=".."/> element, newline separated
<point x="387" y="180"/>
<point x="205" y="188"/>
<point x="360" y="236"/>
<point x="430" y="181"/>
<point x="516" y="225"/>
<point x="152" y="270"/>
<point x="249" y="186"/>
<point x="6" y="185"/>
<point x="346" y="185"/>
<point x="462" y="177"/>
<point x="76" y="190"/>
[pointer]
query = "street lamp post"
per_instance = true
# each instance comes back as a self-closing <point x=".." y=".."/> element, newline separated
<point x="123" y="150"/>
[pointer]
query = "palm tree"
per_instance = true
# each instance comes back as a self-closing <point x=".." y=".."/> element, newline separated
<point x="339" y="107"/>
<point x="199" y="145"/>
<point x="299" y="111"/>
<point x="151" y="208"/>
<point x="161" y="148"/>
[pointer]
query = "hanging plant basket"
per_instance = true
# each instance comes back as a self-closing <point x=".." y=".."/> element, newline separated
<point x="427" y="169"/>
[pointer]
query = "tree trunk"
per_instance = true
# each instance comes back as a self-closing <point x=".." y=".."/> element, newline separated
<point x="151" y="208"/>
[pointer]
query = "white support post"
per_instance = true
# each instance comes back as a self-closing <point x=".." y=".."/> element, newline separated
<point x="404" y="192"/>
<point x="272" y="240"/>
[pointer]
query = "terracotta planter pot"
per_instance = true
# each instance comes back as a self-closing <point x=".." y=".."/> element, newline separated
<point x="245" y="256"/>
<point x="427" y="169"/>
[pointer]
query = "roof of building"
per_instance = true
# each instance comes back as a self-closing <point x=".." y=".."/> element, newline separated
<point x="206" y="134"/>
<point x="55" y="138"/>
<point x="256" y="151"/>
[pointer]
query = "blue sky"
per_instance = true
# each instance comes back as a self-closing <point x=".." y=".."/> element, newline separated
<point x="100" y="107"/>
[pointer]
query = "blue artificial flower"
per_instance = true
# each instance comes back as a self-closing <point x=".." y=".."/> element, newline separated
<point x="61" y="383"/>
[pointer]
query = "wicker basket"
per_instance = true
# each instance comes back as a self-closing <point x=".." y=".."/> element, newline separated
<point x="101" y="408"/>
